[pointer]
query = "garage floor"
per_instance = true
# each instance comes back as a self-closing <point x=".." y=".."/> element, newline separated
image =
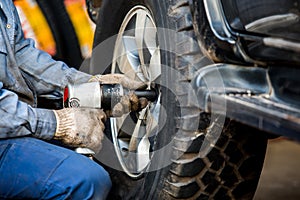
<point x="280" y="178"/>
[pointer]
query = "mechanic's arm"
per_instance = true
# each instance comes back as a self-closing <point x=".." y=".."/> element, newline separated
<point x="20" y="119"/>
<point x="74" y="127"/>
<point x="45" y="74"/>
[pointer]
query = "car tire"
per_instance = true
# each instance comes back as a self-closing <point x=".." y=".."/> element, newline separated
<point x="232" y="167"/>
<point x="67" y="45"/>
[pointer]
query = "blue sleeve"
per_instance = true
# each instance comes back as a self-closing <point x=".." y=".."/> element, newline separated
<point x="20" y="119"/>
<point x="45" y="74"/>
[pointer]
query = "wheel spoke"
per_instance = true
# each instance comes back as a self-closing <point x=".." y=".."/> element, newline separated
<point x="143" y="150"/>
<point x="131" y="57"/>
<point x="140" y="28"/>
<point x="139" y="34"/>
<point x="152" y="119"/>
<point x="137" y="131"/>
<point x="155" y="66"/>
<point x="150" y="36"/>
<point x="131" y="51"/>
<point x="120" y="120"/>
<point x="123" y="63"/>
<point x="123" y="144"/>
<point x="143" y="153"/>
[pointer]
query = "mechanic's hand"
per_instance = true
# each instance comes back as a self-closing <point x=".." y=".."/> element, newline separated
<point x="80" y="127"/>
<point x="118" y="79"/>
<point x="129" y="102"/>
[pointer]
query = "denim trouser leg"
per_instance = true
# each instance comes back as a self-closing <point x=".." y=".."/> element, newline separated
<point x="33" y="169"/>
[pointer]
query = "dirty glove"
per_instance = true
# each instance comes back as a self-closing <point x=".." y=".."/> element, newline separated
<point x="80" y="127"/>
<point x="118" y="79"/>
<point x="129" y="102"/>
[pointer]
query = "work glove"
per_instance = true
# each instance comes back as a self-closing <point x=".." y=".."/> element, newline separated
<point x="128" y="102"/>
<point x="80" y="127"/>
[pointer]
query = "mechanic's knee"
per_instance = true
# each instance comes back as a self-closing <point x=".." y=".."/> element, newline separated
<point x="79" y="178"/>
<point x="96" y="182"/>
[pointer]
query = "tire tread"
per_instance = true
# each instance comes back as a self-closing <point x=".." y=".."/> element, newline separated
<point x="221" y="174"/>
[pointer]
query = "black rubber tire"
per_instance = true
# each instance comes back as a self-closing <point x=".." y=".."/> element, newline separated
<point x="67" y="44"/>
<point x="232" y="168"/>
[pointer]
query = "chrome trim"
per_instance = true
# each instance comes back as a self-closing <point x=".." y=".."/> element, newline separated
<point x="217" y="22"/>
<point x="273" y="20"/>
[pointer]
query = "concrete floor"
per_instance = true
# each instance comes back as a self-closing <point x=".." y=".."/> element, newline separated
<point x="280" y="177"/>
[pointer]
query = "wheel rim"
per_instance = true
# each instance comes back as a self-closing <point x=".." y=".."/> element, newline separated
<point x="137" y="55"/>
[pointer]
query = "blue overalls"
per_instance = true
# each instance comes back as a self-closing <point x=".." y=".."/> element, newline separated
<point x="31" y="168"/>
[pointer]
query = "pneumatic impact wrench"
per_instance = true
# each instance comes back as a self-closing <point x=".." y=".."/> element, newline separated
<point x="101" y="96"/>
